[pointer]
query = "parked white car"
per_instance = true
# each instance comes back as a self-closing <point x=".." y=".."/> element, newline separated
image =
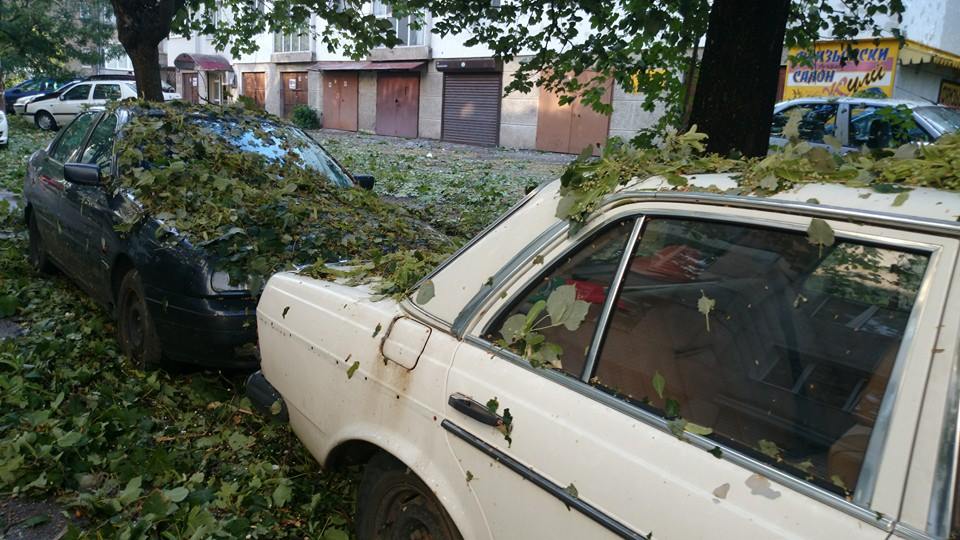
<point x="707" y="366"/>
<point x="52" y="111"/>
<point x="854" y="123"/>
<point x="4" y="130"/>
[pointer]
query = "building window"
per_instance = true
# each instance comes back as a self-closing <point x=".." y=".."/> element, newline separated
<point x="409" y="29"/>
<point x="292" y="42"/>
<point x="120" y="63"/>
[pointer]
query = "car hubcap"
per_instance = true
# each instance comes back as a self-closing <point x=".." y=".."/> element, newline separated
<point x="134" y="324"/>
<point x="406" y="516"/>
<point x="44" y="121"/>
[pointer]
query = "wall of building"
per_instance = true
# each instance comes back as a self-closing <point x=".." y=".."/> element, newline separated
<point x="431" y="102"/>
<point x="922" y="81"/>
<point x="367" y="102"/>
<point x="628" y="115"/>
<point x="518" y="113"/>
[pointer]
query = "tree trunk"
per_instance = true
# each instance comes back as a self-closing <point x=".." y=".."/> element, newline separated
<point x="737" y="87"/>
<point x="141" y="26"/>
<point x="146" y="71"/>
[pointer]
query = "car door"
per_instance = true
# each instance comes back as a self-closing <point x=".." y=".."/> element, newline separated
<point x="818" y="123"/>
<point x="87" y="212"/>
<point x="71" y="103"/>
<point x="58" y="215"/>
<point x="779" y="354"/>
<point x="104" y="92"/>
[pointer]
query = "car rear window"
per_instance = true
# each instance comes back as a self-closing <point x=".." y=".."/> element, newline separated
<point x="943" y="120"/>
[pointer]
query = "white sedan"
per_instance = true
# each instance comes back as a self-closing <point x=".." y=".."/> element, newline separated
<point x="4" y="130"/>
<point x="54" y="110"/>
<point x="685" y="365"/>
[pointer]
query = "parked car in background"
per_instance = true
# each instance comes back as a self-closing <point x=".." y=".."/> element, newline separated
<point x="169" y="301"/>
<point x="169" y="92"/>
<point x="52" y="111"/>
<point x="703" y="369"/>
<point x="29" y="87"/>
<point x="20" y="104"/>
<point x="854" y="123"/>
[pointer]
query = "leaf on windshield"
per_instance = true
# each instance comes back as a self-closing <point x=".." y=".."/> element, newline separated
<point x="791" y="129"/>
<point x="819" y="233"/>
<point x="705" y="305"/>
<point x="659" y="383"/>
<point x="425" y="293"/>
<point x="901" y="198"/>
<point x="514" y="328"/>
<point x="564" y="308"/>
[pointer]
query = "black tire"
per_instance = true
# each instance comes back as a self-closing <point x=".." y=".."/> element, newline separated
<point x="45" y="121"/>
<point x="136" y="332"/>
<point x="36" y="252"/>
<point x="394" y="504"/>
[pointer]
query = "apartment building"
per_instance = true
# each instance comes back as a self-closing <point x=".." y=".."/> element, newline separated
<point x="430" y="86"/>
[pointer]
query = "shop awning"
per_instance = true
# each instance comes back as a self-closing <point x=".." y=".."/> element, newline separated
<point x="366" y="66"/>
<point x="916" y="53"/>
<point x="202" y="62"/>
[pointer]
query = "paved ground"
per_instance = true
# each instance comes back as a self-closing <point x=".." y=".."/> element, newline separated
<point x="27" y="520"/>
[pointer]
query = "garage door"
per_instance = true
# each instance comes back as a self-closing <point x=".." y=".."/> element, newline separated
<point x="572" y="127"/>
<point x="340" y="99"/>
<point x="471" y="108"/>
<point x="294" y="90"/>
<point x="398" y="104"/>
<point x="254" y="87"/>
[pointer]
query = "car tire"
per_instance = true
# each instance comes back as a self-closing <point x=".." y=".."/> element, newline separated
<point x="136" y="332"/>
<point x="37" y="254"/>
<point x="393" y="504"/>
<point x="45" y="121"/>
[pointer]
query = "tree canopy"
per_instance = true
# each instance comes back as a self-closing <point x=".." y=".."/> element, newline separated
<point x="34" y="35"/>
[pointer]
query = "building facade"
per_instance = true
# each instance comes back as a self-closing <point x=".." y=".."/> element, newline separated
<point x="430" y="86"/>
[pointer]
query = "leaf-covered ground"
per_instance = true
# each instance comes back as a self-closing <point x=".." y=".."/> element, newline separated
<point x="457" y="188"/>
<point x="128" y="454"/>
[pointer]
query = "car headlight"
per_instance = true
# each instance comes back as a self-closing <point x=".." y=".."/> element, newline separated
<point x="220" y="282"/>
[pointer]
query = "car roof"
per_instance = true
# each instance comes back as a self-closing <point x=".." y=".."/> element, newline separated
<point x="922" y="203"/>
<point x="879" y="102"/>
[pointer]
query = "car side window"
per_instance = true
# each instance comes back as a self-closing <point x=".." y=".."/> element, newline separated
<point x="77" y="93"/>
<point x="580" y="282"/>
<point x="774" y="346"/>
<point x="100" y="148"/>
<point x="72" y="137"/>
<point x="883" y="127"/>
<point x="106" y="91"/>
<point x="817" y="121"/>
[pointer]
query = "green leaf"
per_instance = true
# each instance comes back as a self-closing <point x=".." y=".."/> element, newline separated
<point x="514" y="328"/>
<point x="176" y="494"/>
<point x="8" y="305"/>
<point x="671" y="408"/>
<point x="819" y="233"/>
<point x="132" y="491"/>
<point x="493" y="405"/>
<point x="705" y="305"/>
<point x="69" y="439"/>
<point x="534" y="312"/>
<point x="34" y="520"/>
<point x="353" y="369"/>
<point x="769" y="448"/>
<point x="901" y="198"/>
<point x="276" y="407"/>
<point x="697" y="429"/>
<point x="335" y="533"/>
<point x="572" y="491"/>
<point x="425" y="293"/>
<point x="659" y="383"/>
<point x="282" y="494"/>
<point x="564" y="308"/>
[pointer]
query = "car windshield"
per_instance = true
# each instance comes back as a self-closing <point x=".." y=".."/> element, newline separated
<point x="942" y="119"/>
<point x="282" y="138"/>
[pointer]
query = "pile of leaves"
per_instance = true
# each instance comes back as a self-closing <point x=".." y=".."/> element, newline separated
<point x="587" y="181"/>
<point x="128" y="454"/>
<point x="191" y="168"/>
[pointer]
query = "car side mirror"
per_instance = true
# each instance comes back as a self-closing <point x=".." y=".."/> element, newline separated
<point x="62" y="96"/>
<point x="82" y="173"/>
<point x="365" y="181"/>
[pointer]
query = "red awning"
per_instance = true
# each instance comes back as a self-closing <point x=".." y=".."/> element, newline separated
<point x="366" y="66"/>
<point x="202" y="62"/>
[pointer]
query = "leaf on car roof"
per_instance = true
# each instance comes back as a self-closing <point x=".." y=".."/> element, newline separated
<point x="425" y="293"/>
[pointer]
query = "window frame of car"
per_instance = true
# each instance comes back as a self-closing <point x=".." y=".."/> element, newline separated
<point x="55" y="143"/>
<point x="841" y="120"/>
<point x="63" y="96"/>
<point x="116" y="130"/>
<point x="881" y="486"/>
<point x="105" y="85"/>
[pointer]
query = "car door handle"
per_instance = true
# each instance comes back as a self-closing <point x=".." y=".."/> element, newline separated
<point x="475" y="410"/>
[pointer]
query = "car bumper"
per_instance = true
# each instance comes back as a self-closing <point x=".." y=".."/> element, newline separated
<point x="215" y="331"/>
<point x="263" y="396"/>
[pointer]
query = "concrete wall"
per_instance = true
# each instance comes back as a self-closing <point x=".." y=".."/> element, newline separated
<point x="628" y="115"/>
<point x="922" y="81"/>
<point x="518" y="113"/>
<point x="431" y="102"/>
<point x="367" y="102"/>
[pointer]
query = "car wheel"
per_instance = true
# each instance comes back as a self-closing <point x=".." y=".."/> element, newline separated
<point x="138" y="337"/>
<point x="394" y="504"/>
<point x="45" y="121"/>
<point x="37" y="253"/>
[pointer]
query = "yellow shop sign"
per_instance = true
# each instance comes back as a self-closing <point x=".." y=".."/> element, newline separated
<point x="836" y="71"/>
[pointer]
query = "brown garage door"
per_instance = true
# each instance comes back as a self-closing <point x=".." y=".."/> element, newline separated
<point x="340" y="100"/>
<point x="471" y="108"/>
<point x="294" y="90"/>
<point x="572" y="127"/>
<point x="254" y="87"/>
<point x="191" y="88"/>
<point x="398" y="104"/>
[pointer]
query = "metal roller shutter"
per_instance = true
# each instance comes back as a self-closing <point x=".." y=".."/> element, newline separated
<point x="471" y="108"/>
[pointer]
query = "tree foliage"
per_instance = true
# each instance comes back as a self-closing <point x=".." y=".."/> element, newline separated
<point x="33" y="35"/>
